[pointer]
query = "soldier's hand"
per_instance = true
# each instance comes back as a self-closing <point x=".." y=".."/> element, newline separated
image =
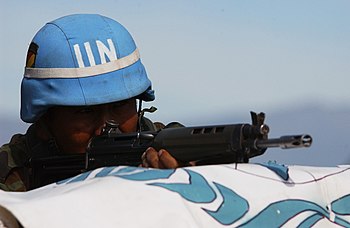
<point x="161" y="159"/>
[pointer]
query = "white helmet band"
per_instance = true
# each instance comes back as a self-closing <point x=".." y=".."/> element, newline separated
<point x="84" y="71"/>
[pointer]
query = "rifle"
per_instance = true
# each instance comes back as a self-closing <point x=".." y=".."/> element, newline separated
<point x="220" y="144"/>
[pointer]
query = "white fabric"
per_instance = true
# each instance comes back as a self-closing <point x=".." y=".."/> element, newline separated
<point x="118" y="200"/>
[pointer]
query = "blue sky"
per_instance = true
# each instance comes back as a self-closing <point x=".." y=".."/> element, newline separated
<point x="208" y="56"/>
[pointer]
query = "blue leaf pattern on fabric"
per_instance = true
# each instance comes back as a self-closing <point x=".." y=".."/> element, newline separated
<point x="278" y="213"/>
<point x="80" y="177"/>
<point x="197" y="191"/>
<point x="342" y="205"/>
<point x="310" y="221"/>
<point x="280" y="170"/>
<point x="232" y="208"/>
<point x="142" y="174"/>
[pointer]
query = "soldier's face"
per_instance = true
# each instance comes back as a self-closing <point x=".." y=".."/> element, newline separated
<point x="73" y="127"/>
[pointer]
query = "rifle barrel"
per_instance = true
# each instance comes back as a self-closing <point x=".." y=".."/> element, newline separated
<point x="285" y="142"/>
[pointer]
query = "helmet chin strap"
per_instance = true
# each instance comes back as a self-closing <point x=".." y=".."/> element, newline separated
<point x="141" y="113"/>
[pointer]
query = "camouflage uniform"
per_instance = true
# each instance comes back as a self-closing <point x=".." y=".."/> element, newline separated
<point x="15" y="173"/>
<point x="13" y="156"/>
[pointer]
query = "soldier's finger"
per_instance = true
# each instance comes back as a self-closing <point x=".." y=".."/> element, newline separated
<point x="167" y="160"/>
<point x="144" y="160"/>
<point x="152" y="158"/>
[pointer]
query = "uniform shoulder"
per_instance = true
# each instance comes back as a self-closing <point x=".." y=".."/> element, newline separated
<point x="12" y="155"/>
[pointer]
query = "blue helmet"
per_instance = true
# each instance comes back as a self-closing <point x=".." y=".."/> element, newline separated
<point x="78" y="60"/>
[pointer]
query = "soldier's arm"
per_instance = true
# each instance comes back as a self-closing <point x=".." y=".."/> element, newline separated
<point x="13" y="182"/>
<point x="12" y="158"/>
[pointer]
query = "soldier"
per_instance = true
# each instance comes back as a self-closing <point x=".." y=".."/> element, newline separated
<point x="81" y="71"/>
